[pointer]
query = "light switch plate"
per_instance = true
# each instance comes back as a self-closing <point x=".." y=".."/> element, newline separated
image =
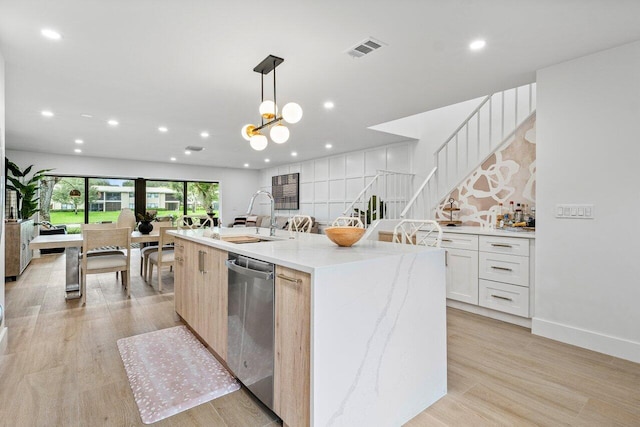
<point x="574" y="211"/>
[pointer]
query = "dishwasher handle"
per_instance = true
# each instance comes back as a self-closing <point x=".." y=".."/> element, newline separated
<point x="231" y="265"/>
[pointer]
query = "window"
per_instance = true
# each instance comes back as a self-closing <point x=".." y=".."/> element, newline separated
<point x="108" y="196"/>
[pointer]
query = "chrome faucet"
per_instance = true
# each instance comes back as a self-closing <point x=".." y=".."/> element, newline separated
<point x="272" y="228"/>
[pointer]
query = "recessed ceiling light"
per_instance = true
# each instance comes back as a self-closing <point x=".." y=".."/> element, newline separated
<point x="328" y="105"/>
<point x="163" y="129"/>
<point x="77" y="150"/>
<point x="79" y="141"/>
<point x="327" y="146"/>
<point x="173" y="159"/>
<point x="267" y="160"/>
<point x="477" y="44"/>
<point x="294" y="154"/>
<point x="187" y="152"/>
<point x="86" y="116"/>
<point x="113" y="122"/>
<point x="204" y="134"/>
<point x="246" y="165"/>
<point x="50" y="34"/>
<point x="47" y="113"/>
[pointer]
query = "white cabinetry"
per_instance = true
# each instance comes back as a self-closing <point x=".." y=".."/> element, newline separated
<point x="490" y="274"/>
<point x="504" y="274"/>
<point x="462" y="267"/>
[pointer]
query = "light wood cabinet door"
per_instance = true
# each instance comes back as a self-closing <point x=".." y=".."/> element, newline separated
<point x="213" y="300"/>
<point x="292" y="346"/>
<point x="462" y="275"/>
<point x="187" y="281"/>
<point x="179" y="278"/>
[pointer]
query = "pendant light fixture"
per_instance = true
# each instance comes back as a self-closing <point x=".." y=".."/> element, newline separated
<point x="291" y="112"/>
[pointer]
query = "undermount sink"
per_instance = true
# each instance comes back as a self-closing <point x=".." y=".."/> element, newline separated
<point x="248" y="239"/>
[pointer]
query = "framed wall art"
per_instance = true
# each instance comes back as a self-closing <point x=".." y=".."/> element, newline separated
<point x="286" y="191"/>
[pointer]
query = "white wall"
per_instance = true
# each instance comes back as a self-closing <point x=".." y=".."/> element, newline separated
<point x="588" y="271"/>
<point x="2" y="179"/>
<point x="329" y="184"/>
<point x="236" y="185"/>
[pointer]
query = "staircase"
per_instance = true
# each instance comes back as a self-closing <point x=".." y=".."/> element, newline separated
<point x="486" y="129"/>
<point x="383" y="197"/>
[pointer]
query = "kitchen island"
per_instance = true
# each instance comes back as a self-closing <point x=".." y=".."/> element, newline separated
<point x="360" y="332"/>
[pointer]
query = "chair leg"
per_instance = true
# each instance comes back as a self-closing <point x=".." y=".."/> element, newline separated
<point x="128" y="283"/>
<point x="150" y="268"/>
<point x="141" y="264"/>
<point x="159" y="277"/>
<point x="148" y="271"/>
<point x="83" y="290"/>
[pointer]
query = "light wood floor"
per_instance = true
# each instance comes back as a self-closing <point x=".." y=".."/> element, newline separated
<point x="61" y="367"/>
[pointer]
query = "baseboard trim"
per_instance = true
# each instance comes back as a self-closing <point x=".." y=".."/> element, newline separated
<point x="487" y="312"/>
<point x="595" y="341"/>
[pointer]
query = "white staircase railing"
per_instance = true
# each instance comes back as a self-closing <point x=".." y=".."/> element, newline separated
<point x="486" y="128"/>
<point x="383" y="197"/>
<point x="419" y="206"/>
<point x="492" y="122"/>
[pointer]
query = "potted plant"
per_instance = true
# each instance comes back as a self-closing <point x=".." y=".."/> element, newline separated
<point x="145" y="226"/>
<point x="27" y="189"/>
<point x="376" y="209"/>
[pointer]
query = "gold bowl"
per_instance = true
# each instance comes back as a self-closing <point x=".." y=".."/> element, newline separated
<point x="344" y="236"/>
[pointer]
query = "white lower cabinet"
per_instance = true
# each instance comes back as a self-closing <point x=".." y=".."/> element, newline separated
<point x="499" y="296"/>
<point x="493" y="272"/>
<point x="462" y="275"/>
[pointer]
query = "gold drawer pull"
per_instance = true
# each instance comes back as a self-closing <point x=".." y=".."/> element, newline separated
<point x="501" y="297"/>
<point x="289" y="279"/>
<point x="447" y="240"/>
<point x="501" y="268"/>
<point x="501" y="245"/>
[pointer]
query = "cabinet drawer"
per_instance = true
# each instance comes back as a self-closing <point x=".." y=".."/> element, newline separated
<point x="504" y="245"/>
<point x="504" y="268"/>
<point x="459" y="241"/>
<point x="504" y="297"/>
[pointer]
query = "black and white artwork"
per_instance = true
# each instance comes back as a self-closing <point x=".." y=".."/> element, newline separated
<point x="286" y="191"/>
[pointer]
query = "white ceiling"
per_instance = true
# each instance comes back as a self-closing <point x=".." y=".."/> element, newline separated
<point x="188" y="65"/>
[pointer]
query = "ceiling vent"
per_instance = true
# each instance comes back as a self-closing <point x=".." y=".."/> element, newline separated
<point x="193" y="148"/>
<point x="365" y="47"/>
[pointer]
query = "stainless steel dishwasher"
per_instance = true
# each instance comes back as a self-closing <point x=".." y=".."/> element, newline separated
<point x="250" y="339"/>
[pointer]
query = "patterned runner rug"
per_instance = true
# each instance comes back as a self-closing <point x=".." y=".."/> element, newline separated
<point x="170" y="371"/>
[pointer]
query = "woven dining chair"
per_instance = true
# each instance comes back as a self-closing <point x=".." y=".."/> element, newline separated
<point x="162" y="257"/>
<point x="93" y="238"/>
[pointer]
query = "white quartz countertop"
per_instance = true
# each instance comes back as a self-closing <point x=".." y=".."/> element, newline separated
<point x="305" y="252"/>
<point x="490" y="232"/>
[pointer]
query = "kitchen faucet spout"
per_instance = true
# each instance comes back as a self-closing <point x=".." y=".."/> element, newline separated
<point x="272" y="228"/>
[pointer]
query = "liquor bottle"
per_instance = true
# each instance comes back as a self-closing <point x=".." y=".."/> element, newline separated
<point x="509" y="222"/>
<point x="500" y="216"/>
<point x="518" y="214"/>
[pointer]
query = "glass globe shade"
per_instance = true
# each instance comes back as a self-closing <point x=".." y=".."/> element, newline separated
<point x="267" y="109"/>
<point x="246" y="129"/>
<point x="292" y="112"/>
<point x="258" y="142"/>
<point x="279" y="134"/>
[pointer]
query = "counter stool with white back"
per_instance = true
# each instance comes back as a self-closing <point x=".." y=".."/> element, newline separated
<point x="163" y="257"/>
<point x="423" y="232"/>
<point x="148" y="250"/>
<point x="300" y="223"/>
<point x="193" y="222"/>
<point x="347" y="221"/>
<point x="93" y="238"/>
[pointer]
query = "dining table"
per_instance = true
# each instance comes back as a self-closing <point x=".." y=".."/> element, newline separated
<point x="73" y="244"/>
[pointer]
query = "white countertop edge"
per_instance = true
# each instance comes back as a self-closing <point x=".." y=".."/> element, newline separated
<point x="465" y="229"/>
<point x="307" y="252"/>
